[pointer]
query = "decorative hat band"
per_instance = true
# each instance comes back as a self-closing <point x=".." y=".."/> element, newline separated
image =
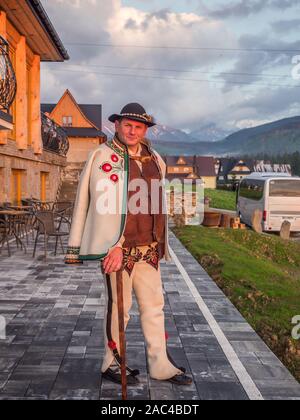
<point x="145" y="117"/>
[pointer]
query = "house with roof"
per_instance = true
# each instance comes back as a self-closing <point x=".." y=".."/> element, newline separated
<point x="83" y="126"/>
<point x="82" y="123"/>
<point x="32" y="149"/>
<point x="233" y="170"/>
<point x="192" y="167"/>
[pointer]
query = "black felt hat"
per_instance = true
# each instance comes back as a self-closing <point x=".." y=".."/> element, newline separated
<point x="134" y="112"/>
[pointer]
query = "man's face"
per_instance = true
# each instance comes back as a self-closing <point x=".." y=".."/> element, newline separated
<point x="131" y="132"/>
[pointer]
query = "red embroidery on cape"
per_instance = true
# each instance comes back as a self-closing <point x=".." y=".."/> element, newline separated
<point x="116" y="168"/>
<point x="114" y="178"/>
<point x="107" y="167"/>
<point x="115" y="158"/>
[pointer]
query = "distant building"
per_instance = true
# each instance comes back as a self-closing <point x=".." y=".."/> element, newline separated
<point x="83" y="124"/>
<point x="231" y="169"/>
<point x="262" y="166"/>
<point x="234" y="170"/>
<point x="192" y="167"/>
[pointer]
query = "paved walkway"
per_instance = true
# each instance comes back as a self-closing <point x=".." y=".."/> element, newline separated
<point x="53" y="347"/>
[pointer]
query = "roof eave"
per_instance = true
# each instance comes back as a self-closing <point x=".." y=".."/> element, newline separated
<point x="44" y="20"/>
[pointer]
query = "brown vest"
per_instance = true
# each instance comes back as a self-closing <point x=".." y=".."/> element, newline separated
<point x="144" y="229"/>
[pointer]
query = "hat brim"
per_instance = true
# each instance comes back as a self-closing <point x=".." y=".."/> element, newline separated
<point x="116" y="117"/>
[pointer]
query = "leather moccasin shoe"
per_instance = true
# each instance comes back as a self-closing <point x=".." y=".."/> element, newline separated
<point x="181" y="380"/>
<point x="116" y="378"/>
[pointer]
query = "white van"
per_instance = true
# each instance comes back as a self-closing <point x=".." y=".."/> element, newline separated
<point x="276" y="195"/>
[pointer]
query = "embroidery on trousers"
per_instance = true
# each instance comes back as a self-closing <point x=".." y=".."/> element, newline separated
<point x="130" y="259"/>
<point x="151" y="257"/>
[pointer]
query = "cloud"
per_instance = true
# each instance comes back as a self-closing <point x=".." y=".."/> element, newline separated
<point x="130" y="26"/>
<point x="82" y="21"/>
<point x="265" y="66"/>
<point x="286" y="26"/>
<point x="244" y="8"/>
<point x="271" y="104"/>
<point x="177" y="103"/>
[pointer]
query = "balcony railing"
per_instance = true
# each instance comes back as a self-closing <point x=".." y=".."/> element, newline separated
<point x="8" y="82"/>
<point x="54" y="137"/>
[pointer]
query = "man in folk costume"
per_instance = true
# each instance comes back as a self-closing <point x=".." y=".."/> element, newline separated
<point x="134" y="240"/>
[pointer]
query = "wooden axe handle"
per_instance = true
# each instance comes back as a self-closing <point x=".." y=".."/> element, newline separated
<point x="122" y="333"/>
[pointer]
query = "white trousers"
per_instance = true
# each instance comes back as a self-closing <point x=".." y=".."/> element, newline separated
<point x="146" y="282"/>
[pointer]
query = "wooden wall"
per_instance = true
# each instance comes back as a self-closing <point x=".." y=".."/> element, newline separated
<point x="26" y="107"/>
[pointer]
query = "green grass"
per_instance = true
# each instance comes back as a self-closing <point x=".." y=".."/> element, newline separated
<point x="225" y="200"/>
<point x="261" y="276"/>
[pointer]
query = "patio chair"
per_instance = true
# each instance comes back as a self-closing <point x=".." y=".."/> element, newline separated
<point x="60" y="206"/>
<point x="46" y="226"/>
<point x="2" y="217"/>
<point x="25" y="224"/>
<point x="47" y="205"/>
<point x="4" y="236"/>
<point x="65" y="209"/>
<point x="36" y="204"/>
<point x="27" y="202"/>
<point x="15" y="229"/>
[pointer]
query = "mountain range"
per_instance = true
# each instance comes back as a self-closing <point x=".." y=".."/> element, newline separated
<point x="275" y="138"/>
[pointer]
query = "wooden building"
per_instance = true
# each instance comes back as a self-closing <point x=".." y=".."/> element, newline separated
<point x="233" y="170"/>
<point x="30" y="154"/>
<point x="192" y="167"/>
<point x="83" y="124"/>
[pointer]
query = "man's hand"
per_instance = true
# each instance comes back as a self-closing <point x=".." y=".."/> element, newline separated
<point x="113" y="262"/>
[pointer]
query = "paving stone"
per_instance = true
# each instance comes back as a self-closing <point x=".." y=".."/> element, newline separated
<point x="75" y="394"/>
<point x="54" y="345"/>
<point x="75" y="380"/>
<point x="161" y="394"/>
<point x="220" y="391"/>
<point x="15" y="388"/>
<point x="40" y="388"/>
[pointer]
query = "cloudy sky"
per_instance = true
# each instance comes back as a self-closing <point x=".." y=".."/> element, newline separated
<point x="189" y="62"/>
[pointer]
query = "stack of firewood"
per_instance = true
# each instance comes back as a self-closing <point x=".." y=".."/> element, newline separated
<point x="230" y="222"/>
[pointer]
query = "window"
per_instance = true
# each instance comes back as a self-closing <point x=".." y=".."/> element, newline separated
<point x="252" y="190"/>
<point x="67" y="121"/>
<point x="181" y="161"/>
<point x="29" y="107"/>
<point x="285" y="188"/>
<point x="44" y="180"/>
<point x="2" y="184"/>
<point x="16" y="186"/>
